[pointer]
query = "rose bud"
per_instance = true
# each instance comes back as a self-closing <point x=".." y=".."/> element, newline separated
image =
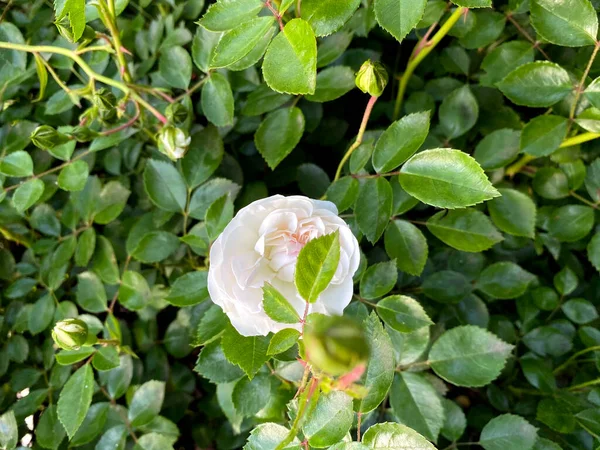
<point x="46" y="137"/>
<point x="335" y="345"/>
<point x="83" y="134"/>
<point x="70" y="334"/>
<point x="173" y="142"/>
<point x="372" y="78"/>
<point x="105" y="102"/>
<point x="176" y="113"/>
<point x="64" y="28"/>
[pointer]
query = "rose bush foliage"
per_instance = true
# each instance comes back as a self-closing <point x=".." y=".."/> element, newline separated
<point x="428" y="168"/>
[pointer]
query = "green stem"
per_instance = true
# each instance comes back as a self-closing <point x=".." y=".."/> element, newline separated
<point x="424" y="50"/>
<point x="569" y="361"/>
<point x="583" y="199"/>
<point x="111" y="22"/>
<point x="88" y="70"/>
<point x="303" y="403"/>
<point x="581" y="85"/>
<point x="584" y="385"/>
<point x="359" y="137"/>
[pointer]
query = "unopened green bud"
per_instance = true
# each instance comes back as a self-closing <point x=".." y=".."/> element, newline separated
<point x="70" y="334"/>
<point x="64" y="28"/>
<point x="372" y="78"/>
<point x="46" y="137"/>
<point x="173" y="142"/>
<point x="176" y="113"/>
<point x="334" y="345"/>
<point x="105" y="102"/>
<point x="83" y="134"/>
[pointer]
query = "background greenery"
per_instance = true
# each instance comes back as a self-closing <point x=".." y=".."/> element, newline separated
<point x="481" y="322"/>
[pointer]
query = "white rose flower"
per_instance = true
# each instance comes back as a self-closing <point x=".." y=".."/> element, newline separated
<point x="173" y="142"/>
<point x="261" y="245"/>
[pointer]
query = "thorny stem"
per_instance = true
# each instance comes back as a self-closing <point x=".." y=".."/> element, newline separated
<point x="425" y="46"/>
<point x="111" y="24"/>
<point x="302" y="405"/>
<point x="359" y="137"/>
<point x="89" y="72"/>
<point x="572" y="359"/>
<point x="275" y="13"/>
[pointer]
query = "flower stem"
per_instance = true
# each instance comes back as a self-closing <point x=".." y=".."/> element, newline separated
<point x="359" y="137"/>
<point x="584" y="385"/>
<point x="303" y="403"/>
<point x="572" y="359"/>
<point x="423" y="49"/>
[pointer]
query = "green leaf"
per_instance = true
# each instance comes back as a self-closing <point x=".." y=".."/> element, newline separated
<point x="571" y="223"/>
<point x="215" y="367"/>
<point x="17" y="164"/>
<point x="41" y="314"/>
<point x="458" y="112"/>
<point x="514" y="213"/>
<point x="189" y="289"/>
<point x="332" y="83"/>
<point x="416" y="403"/>
<point x="543" y="135"/>
<point x="218" y="215"/>
<point x="446" y="178"/>
<point x="565" y="281"/>
<point x="267" y="436"/>
<point x="155" y="246"/>
<point x="580" y="311"/>
<point x="165" y="186"/>
<point x="92" y="425"/>
<point x="238" y="42"/>
<point x="118" y="379"/>
<point x="374" y="207"/>
<point x="485" y="28"/>
<point x="217" y="100"/>
<point x="403" y="314"/>
<point x="75" y="399"/>
<point x="399" y="17"/>
<point x="593" y="251"/>
<point x="446" y="286"/>
<point x="175" y="66"/>
<point x="378" y="280"/>
<point x="505" y="58"/>
<point x="248" y="353"/>
<point x="571" y="24"/>
<point x="455" y="422"/>
<point x="9" y="433"/>
<point x="251" y="395"/>
<point x="297" y="46"/>
<point x="504" y="280"/>
<point x="473" y="3"/>
<point x="400" y="141"/>
<point x="68" y="357"/>
<point x="405" y="243"/>
<point x="106" y="358"/>
<point x="75" y="9"/>
<point x="394" y="436"/>
<point x="279" y="134"/>
<point x="203" y="47"/>
<point x="328" y="16"/>
<point x="146" y="403"/>
<point x="343" y="193"/>
<point x="27" y="194"/>
<point x="74" y="176"/>
<point x="316" y="265"/>
<point x="111" y="202"/>
<point x="379" y="373"/>
<point x="134" y="292"/>
<point x="330" y="420"/>
<point x="468" y="230"/>
<point x="262" y="100"/>
<point x="49" y="432"/>
<point x="208" y="193"/>
<point x="551" y="183"/>
<point x="277" y="307"/>
<point x="537" y="84"/>
<point x="469" y="356"/>
<point x="283" y="340"/>
<point x="226" y="14"/>
<point x="154" y="441"/>
<point x="91" y="295"/>
<point x="203" y="157"/>
<point x="508" y="431"/>
<point x="211" y="325"/>
<point x="498" y="149"/>
<point x="332" y="47"/>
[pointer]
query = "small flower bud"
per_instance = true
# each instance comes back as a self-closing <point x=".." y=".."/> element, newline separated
<point x="70" y="334"/>
<point x="372" y="78"/>
<point x="334" y="345"/>
<point x="46" y="137"/>
<point x="176" y="113"/>
<point x="64" y="28"/>
<point x="82" y="134"/>
<point x="105" y="102"/>
<point x="173" y="142"/>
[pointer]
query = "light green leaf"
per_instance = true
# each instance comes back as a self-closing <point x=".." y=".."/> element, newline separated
<point x="446" y="178"/>
<point x="297" y="46"/>
<point x="249" y="353"/>
<point x="330" y="420"/>
<point x="514" y="213"/>
<point x="395" y="436"/>
<point x="468" y="230"/>
<point x="27" y="194"/>
<point x="508" y="431"/>
<point x="17" y="164"/>
<point x="537" y="84"/>
<point x="217" y="100"/>
<point x="74" y="176"/>
<point x="203" y="47"/>
<point x="165" y="186"/>
<point x="75" y="9"/>
<point x="279" y="134"/>
<point x="543" y="135"/>
<point x="374" y="207"/>
<point x="9" y="433"/>
<point x="283" y="340"/>
<point x="469" y="356"/>
<point x="267" y="436"/>
<point x="399" y="17"/>
<point x="405" y="243"/>
<point x="227" y="14"/>
<point x="249" y="396"/>
<point x="134" y="292"/>
<point x="175" y="66"/>
<point x="473" y="3"/>
<point x="328" y="16"/>
<point x="317" y="263"/>
<point x="75" y="399"/>
<point x="403" y="313"/>
<point x="189" y="289"/>
<point x="238" y="42"/>
<point x="146" y="403"/>
<point x="218" y="215"/>
<point x="106" y="358"/>
<point x="400" y="141"/>
<point x="277" y="307"/>
<point x="571" y="23"/>
<point x="91" y="295"/>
